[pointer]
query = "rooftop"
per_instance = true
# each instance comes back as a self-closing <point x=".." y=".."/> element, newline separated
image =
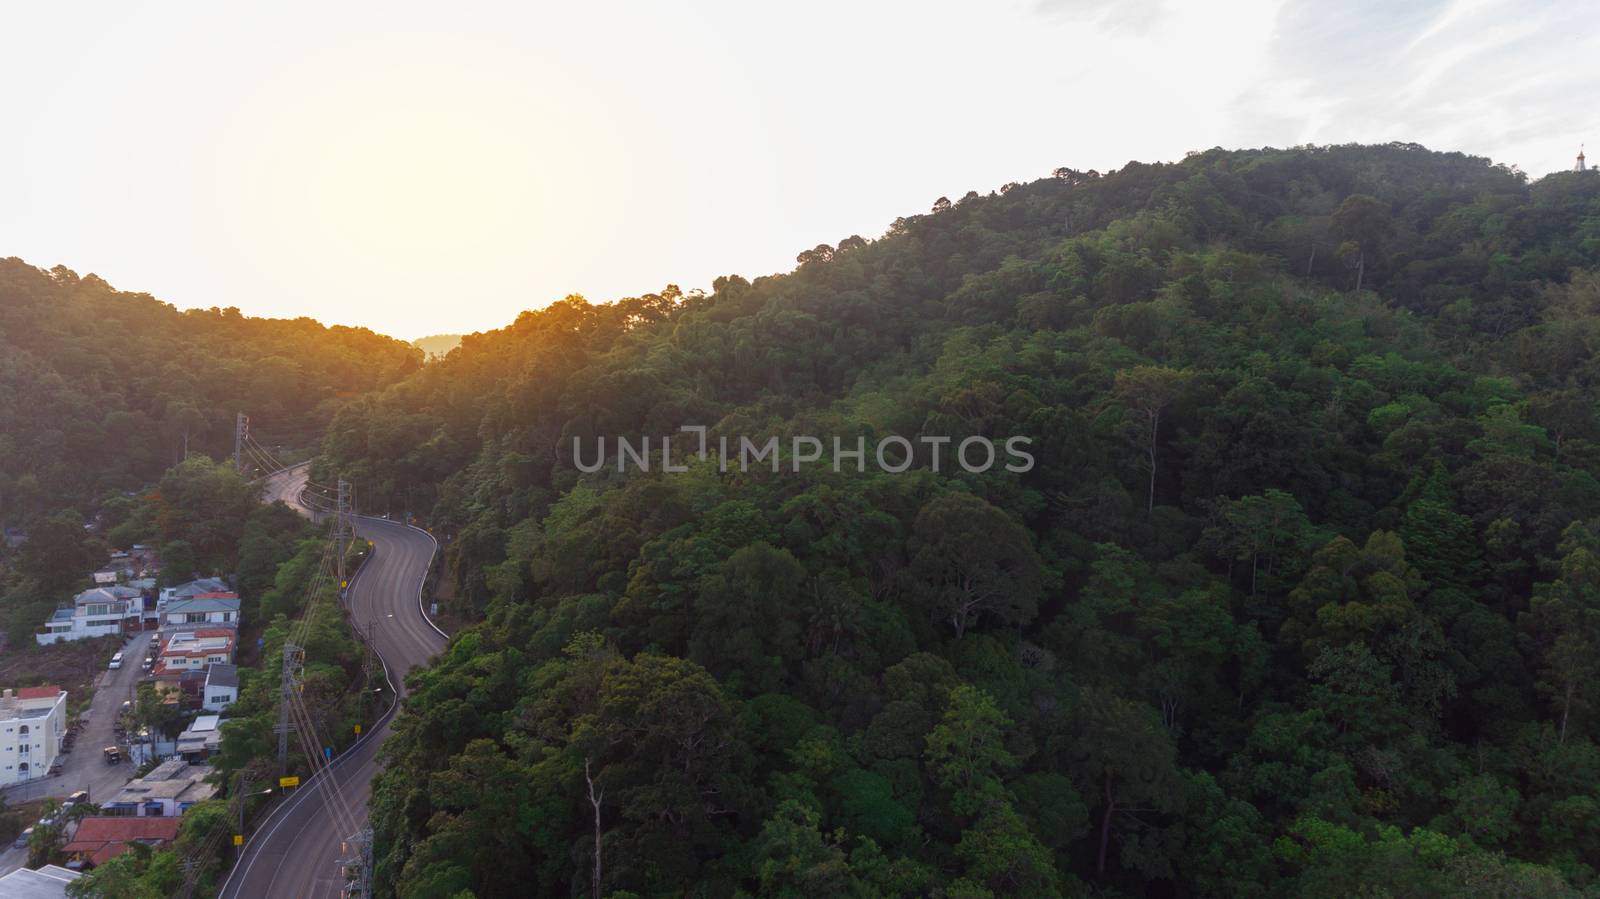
<point x="173" y="779"/>
<point x="106" y="594"/>
<point x="48" y="882"/>
<point x="197" y="604"/>
<point x="101" y="838"/>
<point x="195" y="588"/>
<point x="27" y="703"/>
<point x="222" y="675"/>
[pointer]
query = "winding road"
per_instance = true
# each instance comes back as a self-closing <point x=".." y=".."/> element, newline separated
<point x="296" y="850"/>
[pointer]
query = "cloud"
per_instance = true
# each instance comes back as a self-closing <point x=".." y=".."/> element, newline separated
<point x="1512" y="81"/>
<point x="1133" y="17"/>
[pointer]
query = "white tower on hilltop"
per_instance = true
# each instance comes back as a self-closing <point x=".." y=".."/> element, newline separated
<point x="1579" y="166"/>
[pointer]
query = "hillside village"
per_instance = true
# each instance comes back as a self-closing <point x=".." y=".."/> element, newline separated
<point x="156" y="712"/>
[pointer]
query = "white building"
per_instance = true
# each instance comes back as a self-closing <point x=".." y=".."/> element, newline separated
<point x="101" y="612"/>
<point x="221" y="689"/>
<point x="32" y="722"/>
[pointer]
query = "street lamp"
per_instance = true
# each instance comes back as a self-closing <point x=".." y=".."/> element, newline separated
<point x="242" y="797"/>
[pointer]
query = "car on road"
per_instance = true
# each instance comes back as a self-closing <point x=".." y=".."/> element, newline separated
<point x="148" y="663"/>
<point x="78" y="798"/>
<point x="116" y="661"/>
<point x="113" y="755"/>
<point x="22" y="839"/>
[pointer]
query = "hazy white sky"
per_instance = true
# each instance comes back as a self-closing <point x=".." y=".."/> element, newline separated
<point x="432" y="167"/>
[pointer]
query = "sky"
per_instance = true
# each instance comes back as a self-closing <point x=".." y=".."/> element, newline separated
<point x="423" y="168"/>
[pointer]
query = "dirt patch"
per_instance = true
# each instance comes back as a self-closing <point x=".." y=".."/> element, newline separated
<point x="74" y="666"/>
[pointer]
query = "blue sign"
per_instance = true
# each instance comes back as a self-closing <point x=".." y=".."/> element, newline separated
<point x="328" y="752"/>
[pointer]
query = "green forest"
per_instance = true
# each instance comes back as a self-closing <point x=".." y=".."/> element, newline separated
<point x="1302" y="597"/>
<point x="103" y="390"/>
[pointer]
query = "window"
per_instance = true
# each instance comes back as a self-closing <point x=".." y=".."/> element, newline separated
<point x="22" y="731"/>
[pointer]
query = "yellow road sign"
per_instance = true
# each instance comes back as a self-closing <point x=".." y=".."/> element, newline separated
<point x="358" y="728"/>
<point x="238" y="839"/>
<point x="288" y="781"/>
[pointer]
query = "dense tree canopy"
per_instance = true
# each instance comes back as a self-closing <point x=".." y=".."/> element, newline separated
<point x="1299" y="597"/>
<point x="103" y="390"/>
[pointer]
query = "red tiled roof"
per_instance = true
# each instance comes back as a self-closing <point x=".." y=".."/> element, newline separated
<point x="38" y="692"/>
<point x="101" y="839"/>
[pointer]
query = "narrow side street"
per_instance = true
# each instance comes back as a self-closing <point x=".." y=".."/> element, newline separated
<point x="84" y="768"/>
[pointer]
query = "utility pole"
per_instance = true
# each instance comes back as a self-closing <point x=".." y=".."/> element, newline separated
<point x="343" y="530"/>
<point x="241" y="429"/>
<point x="292" y="658"/>
<point x="357" y="865"/>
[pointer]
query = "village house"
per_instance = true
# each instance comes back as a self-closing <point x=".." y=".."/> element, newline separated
<point x="221" y="688"/>
<point x="167" y="791"/>
<point x="193" y="589"/>
<point x="193" y="650"/>
<point x="201" y="739"/>
<point x="100" y="612"/>
<point x="207" y="609"/>
<point x="101" y="838"/>
<point x="32" y="724"/>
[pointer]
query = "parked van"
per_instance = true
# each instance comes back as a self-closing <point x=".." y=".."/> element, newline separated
<point x="116" y="661"/>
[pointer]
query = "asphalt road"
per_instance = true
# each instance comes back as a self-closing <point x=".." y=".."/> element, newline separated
<point x="296" y="850"/>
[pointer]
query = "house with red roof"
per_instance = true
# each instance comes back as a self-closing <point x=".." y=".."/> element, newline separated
<point x="100" y="838"/>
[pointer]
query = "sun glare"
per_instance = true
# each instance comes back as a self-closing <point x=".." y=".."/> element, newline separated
<point x="423" y="181"/>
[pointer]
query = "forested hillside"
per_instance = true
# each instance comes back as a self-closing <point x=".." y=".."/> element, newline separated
<point x="102" y="389"/>
<point x="1302" y="597"/>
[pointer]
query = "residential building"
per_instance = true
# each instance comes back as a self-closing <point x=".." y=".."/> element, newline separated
<point x="101" y="838"/>
<point x="181" y="687"/>
<point x="222" y="687"/>
<point x="194" y="650"/>
<point x="221" y="609"/>
<point x="100" y="612"/>
<point x="167" y="791"/>
<point x="33" y="721"/>
<point x="48" y="882"/>
<point x="193" y="589"/>
<point x="201" y="738"/>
